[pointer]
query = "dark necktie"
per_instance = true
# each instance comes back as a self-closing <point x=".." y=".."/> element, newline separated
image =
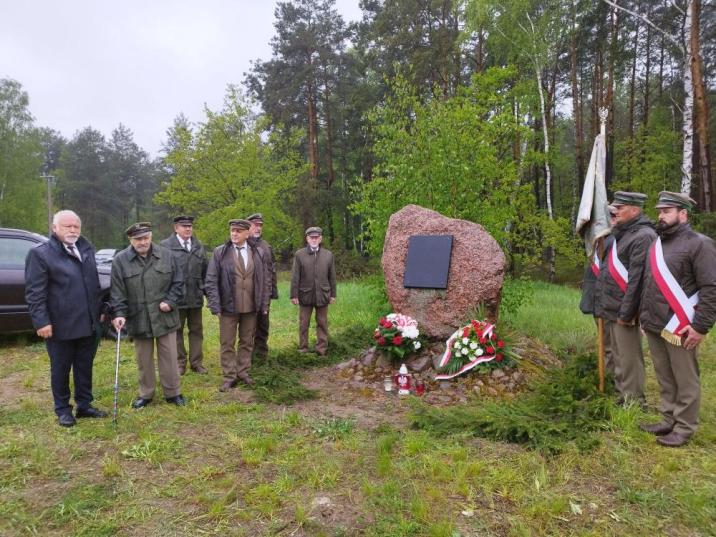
<point x="75" y="253"/>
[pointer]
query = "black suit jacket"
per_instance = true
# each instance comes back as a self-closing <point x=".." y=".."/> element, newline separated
<point x="62" y="291"/>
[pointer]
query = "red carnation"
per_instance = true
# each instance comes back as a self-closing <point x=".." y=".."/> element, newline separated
<point x="381" y="340"/>
<point x="397" y="340"/>
<point x="492" y="335"/>
<point x="499" y="357"/>
<point x="500" y="344"/>
<point x="483" y="340"/>
<point x="490" y="350"/>
<point x="466" y="332"/>
<point x="376" y="334"/>
<point x="475" y="325"/>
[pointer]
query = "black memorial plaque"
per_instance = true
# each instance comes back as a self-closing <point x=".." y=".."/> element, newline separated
<point x="428" y="261"/>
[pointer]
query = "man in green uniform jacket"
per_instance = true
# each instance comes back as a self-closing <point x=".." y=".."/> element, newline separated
<point x="191" y="256"/>
<point x="680" y="275"/>
<point x="146" y="289"/>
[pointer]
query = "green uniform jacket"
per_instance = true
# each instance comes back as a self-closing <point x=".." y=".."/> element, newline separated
<point x="633" y="241"/>
<point x="139" y="285"/>
<point x="691" y="259"/>
<point x="313" y="279"/>
<point x="193" y="266"/>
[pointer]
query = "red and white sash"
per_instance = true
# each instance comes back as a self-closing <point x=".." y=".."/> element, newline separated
<point x="595" y="264"/>
<point x="617" y="270"/>
<point x="683" y="307"/>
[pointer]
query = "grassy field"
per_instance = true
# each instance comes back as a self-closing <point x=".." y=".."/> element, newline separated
<point x="229" y="464"/>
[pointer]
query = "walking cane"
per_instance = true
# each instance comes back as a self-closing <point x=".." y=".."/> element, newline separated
<point x="116" y="379"/>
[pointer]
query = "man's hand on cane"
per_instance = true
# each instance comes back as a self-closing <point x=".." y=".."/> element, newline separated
<point x="118" y="323"/>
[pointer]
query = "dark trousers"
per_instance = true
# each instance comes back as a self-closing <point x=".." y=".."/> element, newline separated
<point x="191" y="318"/>
<point x="261" y="335"/>
<point x="76" y="355"/>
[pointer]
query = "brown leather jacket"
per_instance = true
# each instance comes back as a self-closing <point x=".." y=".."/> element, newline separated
<point x="691" y="258"/>
<point x="219" y="283"/>
<point x="633" y="241"/>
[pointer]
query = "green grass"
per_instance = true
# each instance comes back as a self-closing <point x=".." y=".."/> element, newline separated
<point x="224" y="466"/>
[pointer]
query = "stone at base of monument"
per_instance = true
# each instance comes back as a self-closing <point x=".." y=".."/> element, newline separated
<point x="477" y="267"/>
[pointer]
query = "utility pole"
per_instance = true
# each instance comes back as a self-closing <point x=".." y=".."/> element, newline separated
<point x="50" y="180"/>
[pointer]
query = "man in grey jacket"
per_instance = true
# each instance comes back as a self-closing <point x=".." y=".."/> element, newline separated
<point x="313" y="286"/>
<point x="678" y="308"/>
<point x="264" y="248"/>
<point x="146" y="289"/>
<point x="237" y="288"/>
<point x="618" y="293"/>
<point x="191" y="256"/>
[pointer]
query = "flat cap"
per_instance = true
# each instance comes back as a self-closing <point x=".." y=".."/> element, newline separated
<point x="636" y="199"/>
<point x="184" y="219"/>
<point x="675" y="199"/>
<point x="314" y="230"/>
<point x="256" y="217"/>
<point x="140" y="229"/>
<point x="239" y="224"/>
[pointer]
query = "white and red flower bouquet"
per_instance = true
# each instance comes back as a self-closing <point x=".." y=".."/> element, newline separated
<point x="470" y="346"/>
<point x="397" y="334"/>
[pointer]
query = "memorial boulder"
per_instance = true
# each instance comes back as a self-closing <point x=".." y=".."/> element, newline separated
<point x="475" y="269"/>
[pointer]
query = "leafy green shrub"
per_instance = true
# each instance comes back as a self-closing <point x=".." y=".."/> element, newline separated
<point x="516" y="293"/>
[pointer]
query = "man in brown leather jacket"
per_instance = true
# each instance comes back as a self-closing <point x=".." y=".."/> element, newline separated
<point x="681" y="264"/>
<point x="237" y="287"/>
<point x="313" y="285"/>
<point x="618" y="292"/>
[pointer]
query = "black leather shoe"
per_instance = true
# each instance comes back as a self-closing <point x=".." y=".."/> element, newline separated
<point x="66" y="420"/>
<point x="200" y="369"/>
<point x="140" y="402"/>
<point x="673" y="439"/>
<point x="177" y="400"/>
<point x="90" y="412"/>
<point x="658" y="429"/>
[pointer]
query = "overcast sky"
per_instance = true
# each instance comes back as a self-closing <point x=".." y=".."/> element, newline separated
<point x="135" y="62"/>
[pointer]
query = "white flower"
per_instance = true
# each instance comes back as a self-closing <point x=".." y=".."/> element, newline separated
<point x="410" y="332"/>
<point x="457" y="345"/>
<point x="473" y="345"/>
<point x="465" y="341"/>
<point x="463" y="352"/>
<point x="416" y="344"/>
<point x="479" y="352"/>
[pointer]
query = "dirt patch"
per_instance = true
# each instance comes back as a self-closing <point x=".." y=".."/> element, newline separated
<point x="354" y="390"/>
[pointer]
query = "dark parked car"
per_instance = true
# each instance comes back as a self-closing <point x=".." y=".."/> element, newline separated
<point x="14" y="245"/>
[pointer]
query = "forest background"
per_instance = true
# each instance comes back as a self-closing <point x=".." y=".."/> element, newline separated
<point x="479" y="109"/>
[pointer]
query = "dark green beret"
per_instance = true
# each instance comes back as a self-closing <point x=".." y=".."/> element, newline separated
<point x="256" y="217"/>
<point x="636" y="199"/>
<point x="314" y="230"/>
<point x="675" y="199"/>
<point x="140" y="229"/>
<point x="239" y="224"/>
<point x="184" y="219"/>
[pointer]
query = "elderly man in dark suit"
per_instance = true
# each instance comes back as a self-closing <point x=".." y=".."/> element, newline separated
<point x="62" y="292"/>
